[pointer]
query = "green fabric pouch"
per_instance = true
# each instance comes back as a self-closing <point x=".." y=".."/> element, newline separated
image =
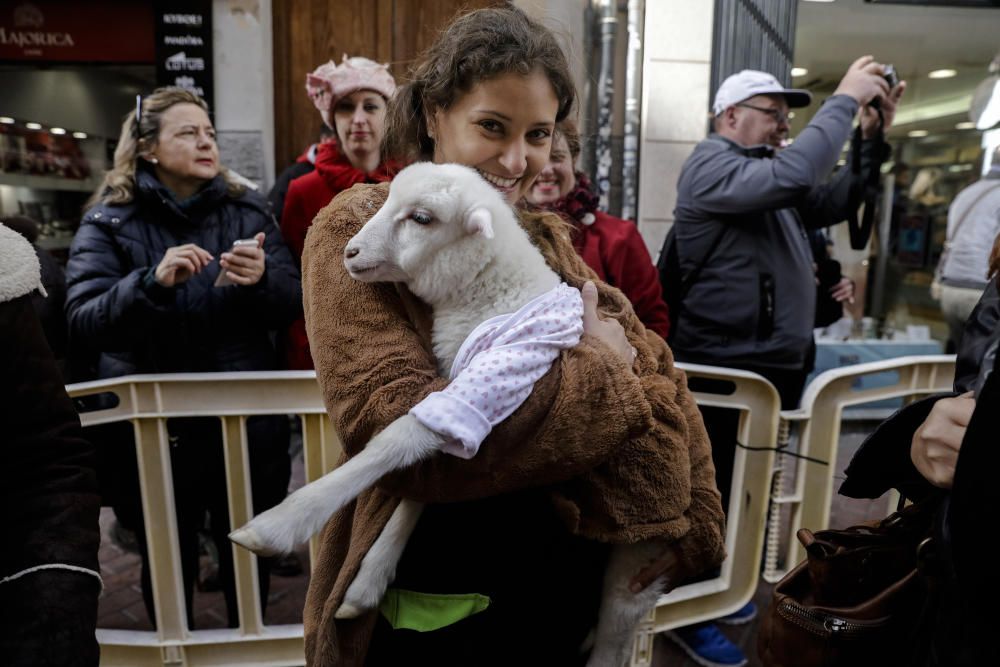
<point x="425" y="612"/>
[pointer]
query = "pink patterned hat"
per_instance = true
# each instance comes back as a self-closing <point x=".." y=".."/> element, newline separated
<point x="330" y="82"/>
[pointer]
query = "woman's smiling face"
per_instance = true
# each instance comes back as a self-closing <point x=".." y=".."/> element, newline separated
<point x="557" y="178"/>
<point x="502" y="128"/>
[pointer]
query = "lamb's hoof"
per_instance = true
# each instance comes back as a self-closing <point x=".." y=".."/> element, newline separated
<point x="348" y="610"/>
<point x="248" y="538"/>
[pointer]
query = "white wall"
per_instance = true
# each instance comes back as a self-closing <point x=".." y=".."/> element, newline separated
<point x="244" y="87"/>
<point x="565" y="19"/>
<point x="675" y="97"/>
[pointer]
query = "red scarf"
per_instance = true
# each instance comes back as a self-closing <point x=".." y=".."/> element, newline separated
<point x="579" y="204"/>
<point x="339" y="174"/>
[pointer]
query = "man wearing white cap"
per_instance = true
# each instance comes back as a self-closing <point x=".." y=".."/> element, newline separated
<point x="747" y="294"/>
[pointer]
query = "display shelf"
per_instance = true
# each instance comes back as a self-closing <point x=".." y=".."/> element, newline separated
<point x="48" y="182"/>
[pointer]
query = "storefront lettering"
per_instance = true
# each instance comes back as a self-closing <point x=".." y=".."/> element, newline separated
<point x="188" y="83"/>
<point x="179" y="62"/>
<point x="183" y="40"/>
<point x="182" y="19"/>
<point x="36" y="38"/>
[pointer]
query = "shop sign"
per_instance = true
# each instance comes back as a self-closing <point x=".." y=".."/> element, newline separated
<point x="54" y="31"/>
<point x="184" y="45"/>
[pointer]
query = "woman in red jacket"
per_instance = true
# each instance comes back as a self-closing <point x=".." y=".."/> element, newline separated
<point x="612" y="247"/>
<point x="351" y="98"/>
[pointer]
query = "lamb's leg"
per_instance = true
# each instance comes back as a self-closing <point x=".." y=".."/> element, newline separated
<point x="302" y="514"/>
<point x="621" y="609"/>
<point x="378" y="568"/>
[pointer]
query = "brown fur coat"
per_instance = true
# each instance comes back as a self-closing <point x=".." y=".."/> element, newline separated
<point x="624" y="452"/>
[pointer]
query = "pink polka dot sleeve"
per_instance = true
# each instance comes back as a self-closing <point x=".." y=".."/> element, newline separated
<point x="497" y="367"/>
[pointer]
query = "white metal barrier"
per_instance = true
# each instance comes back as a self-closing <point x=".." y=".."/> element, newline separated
<point x="147" y="401"/>
<point x="819" y="419"/>
<point x="759" y="406"/>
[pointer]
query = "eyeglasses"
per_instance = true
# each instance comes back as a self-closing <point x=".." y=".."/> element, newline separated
<point x="138" y="115"/>
<point x="776" y="115"/>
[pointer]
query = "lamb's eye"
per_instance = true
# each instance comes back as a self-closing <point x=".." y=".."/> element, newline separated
<point x="421" y="217"/>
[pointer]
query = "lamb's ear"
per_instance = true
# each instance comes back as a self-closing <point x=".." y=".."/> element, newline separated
<point x="479" y="221"/>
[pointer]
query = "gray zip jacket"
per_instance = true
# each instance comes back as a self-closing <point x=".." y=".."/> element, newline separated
<point x="754" y="300"/>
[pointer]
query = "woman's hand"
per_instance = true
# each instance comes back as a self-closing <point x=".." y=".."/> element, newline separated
<point x="245" y="264"/>
<point x="609" y="331"/>
<point x="843" y="290"/>
<point x="935" y="445"/>
<point x="180" y="263"/>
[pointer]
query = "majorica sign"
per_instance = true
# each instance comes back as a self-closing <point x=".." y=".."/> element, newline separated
<point x="35" y="38"/>
<point x="74" y="31"/>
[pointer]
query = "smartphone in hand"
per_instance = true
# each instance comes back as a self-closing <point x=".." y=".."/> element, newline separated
<point x="223" y="279"/>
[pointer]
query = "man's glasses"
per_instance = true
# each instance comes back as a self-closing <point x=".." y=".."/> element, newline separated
<point x="777" y="115"/>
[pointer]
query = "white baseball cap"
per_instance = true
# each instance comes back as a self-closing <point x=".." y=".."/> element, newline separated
<point x="749" y="83"/>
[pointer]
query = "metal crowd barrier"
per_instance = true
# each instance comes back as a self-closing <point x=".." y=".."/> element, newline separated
<point x="147" y="401"/>
<point x="759" y="406"/>
<point x="818" y="420"/>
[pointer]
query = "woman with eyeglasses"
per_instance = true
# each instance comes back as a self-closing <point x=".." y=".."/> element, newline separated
<point x="156" y="285"/>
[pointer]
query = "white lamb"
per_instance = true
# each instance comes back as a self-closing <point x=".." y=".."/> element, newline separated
<point x="501" y="317"/>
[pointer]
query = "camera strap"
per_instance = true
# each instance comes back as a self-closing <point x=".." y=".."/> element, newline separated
<point x="861" y="231"/>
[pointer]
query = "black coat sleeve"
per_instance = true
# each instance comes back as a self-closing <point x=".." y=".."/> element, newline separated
<point x="883" y="460"/>
<point x="107" y="300"/>
<point x="49" y="489"/>
<point x="48" y="504"/>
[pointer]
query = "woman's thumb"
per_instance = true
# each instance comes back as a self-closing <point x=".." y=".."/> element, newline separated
<point x="589" y="294"/>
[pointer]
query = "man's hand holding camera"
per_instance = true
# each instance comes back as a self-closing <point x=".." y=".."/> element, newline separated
<point x="867" y="81"/>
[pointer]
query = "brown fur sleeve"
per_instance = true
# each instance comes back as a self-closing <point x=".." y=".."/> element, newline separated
<point x="371" y="347"/>
<point x="703" y="546"/>
<point x="659" y="484"/>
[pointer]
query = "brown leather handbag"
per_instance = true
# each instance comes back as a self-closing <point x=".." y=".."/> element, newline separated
<point x="858" y="597"/>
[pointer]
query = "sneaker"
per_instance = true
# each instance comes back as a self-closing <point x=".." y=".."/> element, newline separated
<point x="707" y="646"/>
<point x="741" y="616"/>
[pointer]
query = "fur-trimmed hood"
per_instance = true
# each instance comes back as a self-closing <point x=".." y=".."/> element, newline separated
<point x="20" y="272"/>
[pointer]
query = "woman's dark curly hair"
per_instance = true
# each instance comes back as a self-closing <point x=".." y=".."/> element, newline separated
<point x="478" y="46"/>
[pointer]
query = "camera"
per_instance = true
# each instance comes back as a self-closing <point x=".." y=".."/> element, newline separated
<point x="890" y="76"/>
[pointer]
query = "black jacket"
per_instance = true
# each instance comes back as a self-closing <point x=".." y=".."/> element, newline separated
<point x="956" y="627"/>
<point x="49" y="504"/>
<point x="115" y="307"/>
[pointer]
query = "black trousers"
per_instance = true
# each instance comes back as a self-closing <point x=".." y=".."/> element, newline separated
<point x="722" y="424"/>
<point x="198" y="465"/>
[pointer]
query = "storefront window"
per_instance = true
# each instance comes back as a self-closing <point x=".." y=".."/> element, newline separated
<point x="944" y="54"/>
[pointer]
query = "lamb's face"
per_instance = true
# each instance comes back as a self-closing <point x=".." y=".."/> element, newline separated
<point x="437" y="220"/>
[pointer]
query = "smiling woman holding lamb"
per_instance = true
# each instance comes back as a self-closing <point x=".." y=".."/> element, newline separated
<point x="506" y="563"/>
